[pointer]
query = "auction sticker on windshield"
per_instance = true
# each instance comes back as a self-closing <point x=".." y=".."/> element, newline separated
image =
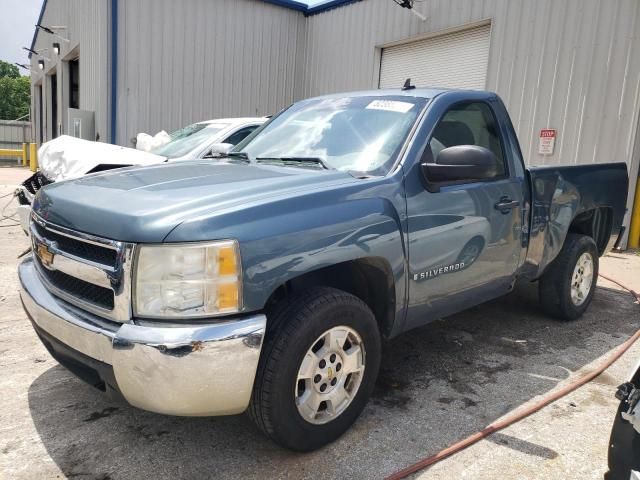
<point x="390" y="105"/>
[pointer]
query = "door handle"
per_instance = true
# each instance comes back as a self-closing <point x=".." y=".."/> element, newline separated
<point x="506" y="204"/>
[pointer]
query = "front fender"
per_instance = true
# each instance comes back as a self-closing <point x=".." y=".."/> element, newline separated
<point x="291" y="235"/>
<point x="320" y="237"/>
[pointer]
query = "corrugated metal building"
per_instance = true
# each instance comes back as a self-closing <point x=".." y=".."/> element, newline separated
<point x="13" y="134"/>
<point x="146" y="65"/>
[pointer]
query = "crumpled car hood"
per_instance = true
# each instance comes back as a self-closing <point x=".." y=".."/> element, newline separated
<point x="145" y="204"/>
<point x="66" y="157"/>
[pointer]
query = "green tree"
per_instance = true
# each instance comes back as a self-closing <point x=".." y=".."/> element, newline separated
<point x="15" y="92"/>
<point x="8" y="70"/>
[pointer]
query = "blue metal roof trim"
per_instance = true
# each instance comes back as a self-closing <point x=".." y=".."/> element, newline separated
<point x="301" y="7"/>
<point x="307" y="10"/>
<point x="35" y="33"/>
<point x="328" y="6"/>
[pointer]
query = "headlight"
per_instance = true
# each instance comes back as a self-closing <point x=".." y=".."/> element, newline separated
<point x="188" y="280"/>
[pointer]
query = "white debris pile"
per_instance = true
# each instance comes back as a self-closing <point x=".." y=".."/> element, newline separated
<point x="68" y="157"/>
<point x="146" y="142"/>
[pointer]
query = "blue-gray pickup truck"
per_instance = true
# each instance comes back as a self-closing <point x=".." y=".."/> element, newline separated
<point x="266" y="281"/>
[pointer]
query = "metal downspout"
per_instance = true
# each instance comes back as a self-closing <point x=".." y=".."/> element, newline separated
<point x="114" y="69"/>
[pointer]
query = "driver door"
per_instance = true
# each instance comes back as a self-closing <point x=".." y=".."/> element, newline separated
<point x="463" y="250"/>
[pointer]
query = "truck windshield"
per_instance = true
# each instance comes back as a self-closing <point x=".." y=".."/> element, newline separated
<point x="188" y="138"/>
<point x="360" y="133"/>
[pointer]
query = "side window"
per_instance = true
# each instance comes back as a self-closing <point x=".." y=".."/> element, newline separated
<point x="237" y="137"/>
<point x="471" y="123"/>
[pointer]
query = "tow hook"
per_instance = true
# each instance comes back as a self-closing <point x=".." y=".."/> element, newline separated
<point x="630" y="395"/>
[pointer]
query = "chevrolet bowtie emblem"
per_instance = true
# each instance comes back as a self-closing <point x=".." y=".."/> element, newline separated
<point x="330" y="373"/>
<point x="45" y="256"/>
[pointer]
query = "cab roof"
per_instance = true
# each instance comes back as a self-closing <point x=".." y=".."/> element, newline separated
<point x="417" y="92"/>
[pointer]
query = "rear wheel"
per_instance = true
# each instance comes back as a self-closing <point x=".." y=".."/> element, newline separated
<point x="317" y="369"/>
<point x="567" y="287"/>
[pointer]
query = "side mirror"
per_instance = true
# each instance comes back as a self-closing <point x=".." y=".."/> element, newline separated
<point x="461" y="163"/>
<point x="218" y="150"/>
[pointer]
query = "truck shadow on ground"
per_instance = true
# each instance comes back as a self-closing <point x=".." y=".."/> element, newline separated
<point x="437" y="384"/>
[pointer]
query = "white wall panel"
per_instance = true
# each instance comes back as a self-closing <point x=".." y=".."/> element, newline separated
<point x="88" y="28"/>
<point x="182" y="62"/>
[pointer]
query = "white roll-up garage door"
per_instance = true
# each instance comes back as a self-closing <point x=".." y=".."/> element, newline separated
<point x="454" y="60"/>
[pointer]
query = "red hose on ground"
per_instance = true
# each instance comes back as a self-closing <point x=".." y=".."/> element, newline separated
<point x="523" y="413"/>
<point x="635" y="294"/>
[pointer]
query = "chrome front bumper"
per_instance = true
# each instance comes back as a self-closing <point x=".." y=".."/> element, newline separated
<point x="175" y="369"/>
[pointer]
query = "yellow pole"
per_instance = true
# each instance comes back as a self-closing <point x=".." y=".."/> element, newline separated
<point x="24" y="154"/>
<point x="33" y="157"/>
<point x="634" y="231"/>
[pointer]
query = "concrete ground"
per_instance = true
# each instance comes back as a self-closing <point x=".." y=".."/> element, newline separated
<point x="438" y="384"/>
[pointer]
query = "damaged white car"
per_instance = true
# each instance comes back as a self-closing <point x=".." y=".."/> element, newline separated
<point x="68" y="157"/>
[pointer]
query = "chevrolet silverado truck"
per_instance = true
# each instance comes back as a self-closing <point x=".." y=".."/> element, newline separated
<point x="266" y="281"/>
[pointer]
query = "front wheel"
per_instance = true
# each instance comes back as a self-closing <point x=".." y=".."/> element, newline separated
<point x="567" y="287"/>
<point x="317" y="369"/>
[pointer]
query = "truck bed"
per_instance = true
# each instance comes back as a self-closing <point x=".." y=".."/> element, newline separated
<point x="577" y="199"/>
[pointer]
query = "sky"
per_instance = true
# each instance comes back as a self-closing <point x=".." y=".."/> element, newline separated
<point x="17" y="23"/>
<point x="17" y="20"/>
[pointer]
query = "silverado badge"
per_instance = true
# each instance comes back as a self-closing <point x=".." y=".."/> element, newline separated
<point x="437" y="271"/>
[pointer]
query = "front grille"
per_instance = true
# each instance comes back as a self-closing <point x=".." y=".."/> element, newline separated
<point x="32" y="184"/>
<point x="90" y="272"/>
<point x="88" y="292"/>
<point x="95" y="253"/>
<point x="35" y="182"/>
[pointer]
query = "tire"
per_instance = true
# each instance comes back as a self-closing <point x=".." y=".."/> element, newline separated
<point x="296" y="325"/>
<point x="555" y="287"/>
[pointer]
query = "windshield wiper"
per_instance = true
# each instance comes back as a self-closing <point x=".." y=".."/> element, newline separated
<point x="361" y="175"/>
<point x="242" y="155"/>
<point x="289" y="161"/>
<point x="234" y="156"/>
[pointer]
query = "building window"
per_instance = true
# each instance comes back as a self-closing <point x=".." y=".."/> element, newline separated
<point x="74" y="83"/>
<point x="41" y="115"/>
<point x="53" y="81"/>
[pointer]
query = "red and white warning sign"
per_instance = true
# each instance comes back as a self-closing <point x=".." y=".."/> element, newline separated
<point x="547" y="141"/>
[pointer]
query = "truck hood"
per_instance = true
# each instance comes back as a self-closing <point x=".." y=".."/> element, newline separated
<point x="144" y="204"/>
